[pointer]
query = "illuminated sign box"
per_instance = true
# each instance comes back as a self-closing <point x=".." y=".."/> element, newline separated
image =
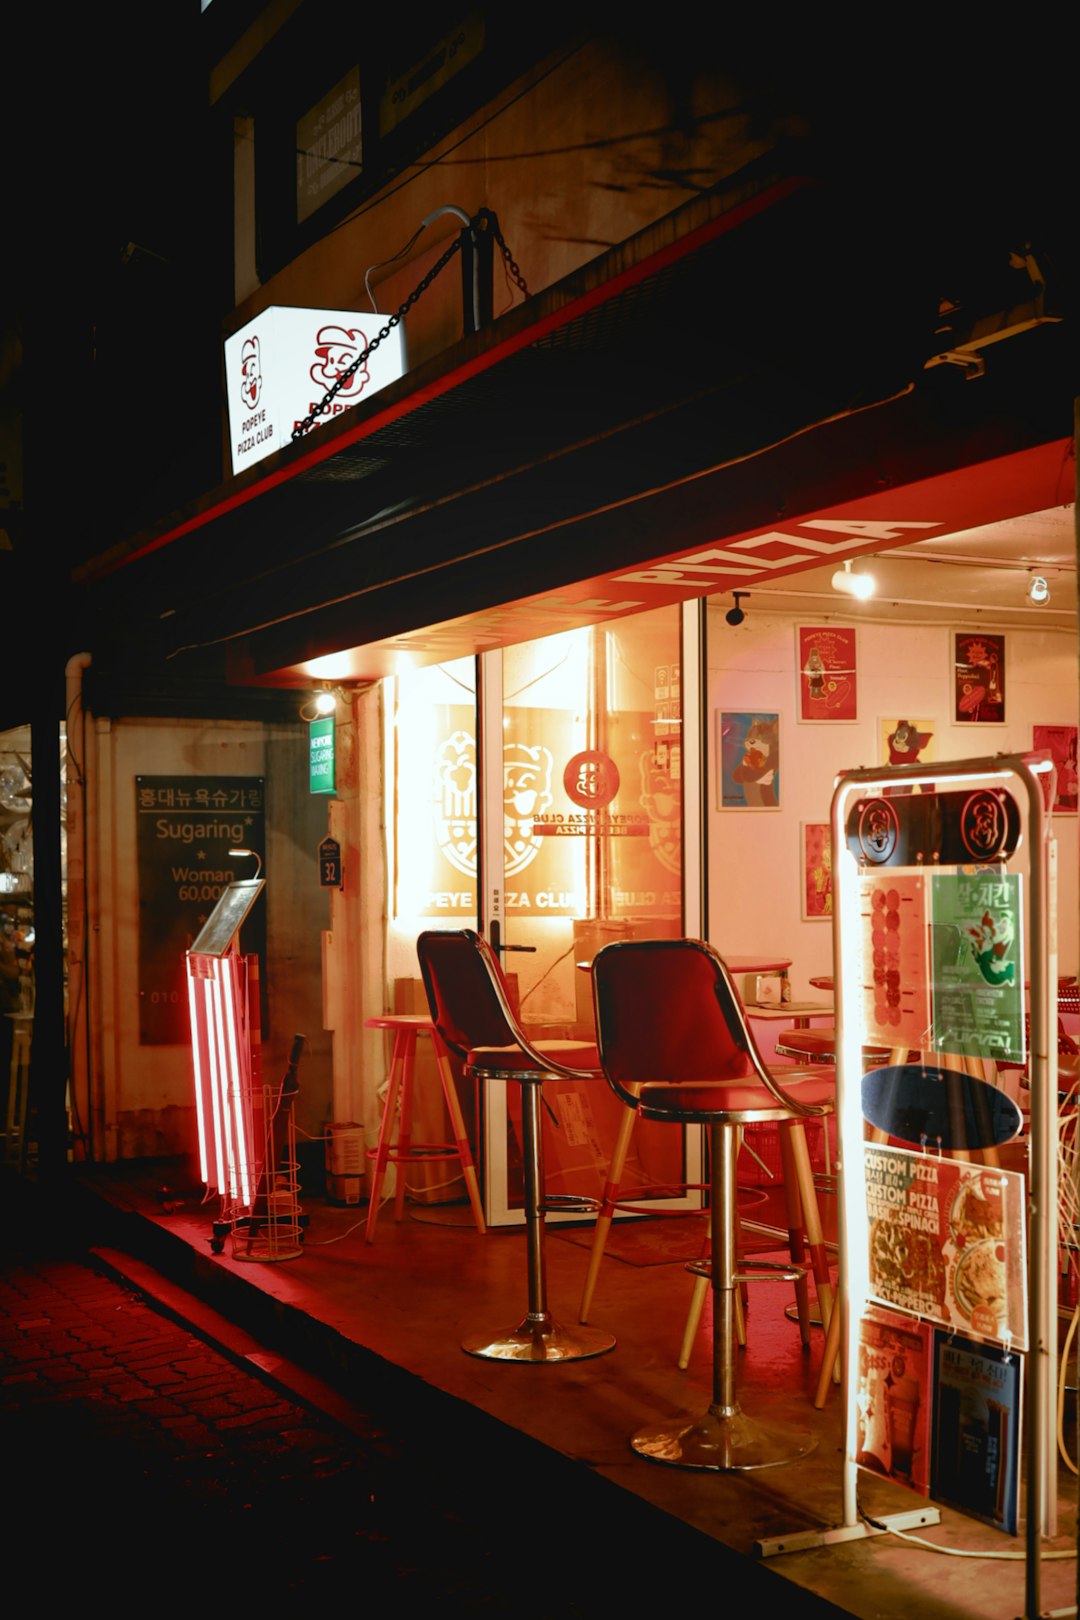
<point x="321" y="755"/>
<point x="280" y="366"/>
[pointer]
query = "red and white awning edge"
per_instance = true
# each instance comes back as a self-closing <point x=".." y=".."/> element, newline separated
<point x="1030" y="480"/>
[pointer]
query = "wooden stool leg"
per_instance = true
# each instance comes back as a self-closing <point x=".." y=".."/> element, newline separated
<point x="815" y="1237"/>
<point x="607" y="1206"/>
<point x="694" y="1314"/>
<point x="404" y="1139"/>
<point x="795" y="1219"/>
<point x="386" y="1135"/>
<point x="829" y="1361"/>
<point x="461" y="1140"/>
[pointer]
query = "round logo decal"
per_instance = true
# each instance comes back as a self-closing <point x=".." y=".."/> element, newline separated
<point x="983" y="825"/>
<point x="879" y="831"/>
<point x="591" y="779"/>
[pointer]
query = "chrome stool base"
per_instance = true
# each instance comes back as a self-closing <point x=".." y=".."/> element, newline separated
<point x="724" y="1442"/>
<point x="540" y="1338"/>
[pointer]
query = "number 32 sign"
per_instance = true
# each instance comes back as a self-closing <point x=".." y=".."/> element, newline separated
<point x="330" y="864"/>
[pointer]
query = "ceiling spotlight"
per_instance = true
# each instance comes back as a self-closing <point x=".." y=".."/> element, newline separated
<point x="1038" y="590"/>
<point x="736" y="614"/>
<point x="849" y="584"/>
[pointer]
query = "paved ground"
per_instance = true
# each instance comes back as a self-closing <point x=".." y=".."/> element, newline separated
<point x="146" y="1448"/>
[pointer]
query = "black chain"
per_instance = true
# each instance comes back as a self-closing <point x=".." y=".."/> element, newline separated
<point x="487" y="218"/>
<point x="492" y="223"/>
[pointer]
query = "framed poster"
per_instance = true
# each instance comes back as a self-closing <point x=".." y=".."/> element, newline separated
<point x="817" y="887"/>
<point x="906" y="742"/>
<point x="978" y="678"/>
<point x="1060" y="743"/>
<point x="827" y="672"/>
<point x="748" y="752"/>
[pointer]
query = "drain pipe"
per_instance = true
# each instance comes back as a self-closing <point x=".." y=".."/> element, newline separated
<point x="81" y="848"/>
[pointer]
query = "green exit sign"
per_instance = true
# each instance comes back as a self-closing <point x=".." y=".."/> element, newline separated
<point x="321" y="755"/>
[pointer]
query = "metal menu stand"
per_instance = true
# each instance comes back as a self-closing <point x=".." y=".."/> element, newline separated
<point x="247" y="1131"/>
<point x="964" y="855"/>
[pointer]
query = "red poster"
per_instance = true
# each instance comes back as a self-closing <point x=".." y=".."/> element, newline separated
<point x="827" y="673"/>
<point x="979" y="673"/>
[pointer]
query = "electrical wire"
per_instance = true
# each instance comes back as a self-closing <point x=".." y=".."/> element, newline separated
<point x="1050" y="1555"/>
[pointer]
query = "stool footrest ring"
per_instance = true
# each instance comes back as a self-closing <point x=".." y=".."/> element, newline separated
<point x="570" y="1203"/>
<point x="416" y="1150"/>
<point x="759" y="1271"/>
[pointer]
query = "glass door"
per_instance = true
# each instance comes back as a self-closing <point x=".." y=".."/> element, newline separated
<point x="583" y="842"/>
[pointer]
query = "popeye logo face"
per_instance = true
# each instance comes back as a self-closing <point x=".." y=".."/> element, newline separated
<point x="336" y="349"/>
<point x="250" y="373"/>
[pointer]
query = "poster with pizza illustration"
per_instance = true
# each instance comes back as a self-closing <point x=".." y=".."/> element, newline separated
<point x="947" y="1242"/>
<point x="979" y="678"/>
<point x="827" y="673"/>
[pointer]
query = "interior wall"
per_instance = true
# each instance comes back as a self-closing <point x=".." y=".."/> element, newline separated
<point x="904" y="670"/>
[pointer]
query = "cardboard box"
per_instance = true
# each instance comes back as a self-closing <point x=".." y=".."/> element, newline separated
<point x="344" y="1189"/>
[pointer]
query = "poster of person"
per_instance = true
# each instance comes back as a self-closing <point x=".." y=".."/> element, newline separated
<point x="1060" y="743"/>
<point x="947" y="1241"/>
<point x="975" y="1448"/>
<point x="748" y="749"/>
<point x="827" y="672"/>
<point x="979" y="678"/>
<point x="817" y="885"/>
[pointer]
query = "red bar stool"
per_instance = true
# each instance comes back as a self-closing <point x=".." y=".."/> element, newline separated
<point x="400" y="1149"/>
<point x="472" y="1013"/>
<point x="675" y="1045"/>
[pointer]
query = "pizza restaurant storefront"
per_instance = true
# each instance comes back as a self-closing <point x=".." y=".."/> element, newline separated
<point x="511" y="568"/>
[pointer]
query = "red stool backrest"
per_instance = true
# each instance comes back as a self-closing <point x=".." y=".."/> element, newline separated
<point x="465" y="990"/>
<point x="666" y="1011"/>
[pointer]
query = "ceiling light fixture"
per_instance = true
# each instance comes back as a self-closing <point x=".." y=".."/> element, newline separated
<point x="849" y="584"/>
<point x="1038" y="590"/>
<point x="736" y="615"/>
<point x="322" y="702"/>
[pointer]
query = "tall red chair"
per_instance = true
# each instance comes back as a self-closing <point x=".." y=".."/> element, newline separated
<point x="472" y="1014"/>
<point x="675" y="1045"/>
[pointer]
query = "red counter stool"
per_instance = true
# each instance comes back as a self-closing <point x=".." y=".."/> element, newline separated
<point x="400" y="1149"/>
<point x="471" y="1011"/>
<point x="675" y="1045"/>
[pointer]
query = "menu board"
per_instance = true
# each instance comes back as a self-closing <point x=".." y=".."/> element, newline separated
<point x="978" y="987"/>
<point x="947" y="1242"/>
<point x="942" y="961"/>
<point x="895" y="969"/>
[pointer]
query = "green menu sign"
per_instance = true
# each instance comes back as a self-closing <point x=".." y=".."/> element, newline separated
<point x="978" y="971"/>
<point x="321" y="755"/>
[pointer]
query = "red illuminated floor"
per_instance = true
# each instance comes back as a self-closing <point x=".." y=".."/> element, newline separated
<point x="409" y="1298"/>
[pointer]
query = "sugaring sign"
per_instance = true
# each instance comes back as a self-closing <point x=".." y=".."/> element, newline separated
<point x="185" y="827"/>
<point x="280" y="366"/>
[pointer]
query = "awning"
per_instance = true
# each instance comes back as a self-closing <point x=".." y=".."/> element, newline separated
<point x="728" y="388"/>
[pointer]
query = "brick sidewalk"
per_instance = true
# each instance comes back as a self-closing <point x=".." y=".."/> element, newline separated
<point x="154" y="1451"/>
<point x="138" y="1455"/>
